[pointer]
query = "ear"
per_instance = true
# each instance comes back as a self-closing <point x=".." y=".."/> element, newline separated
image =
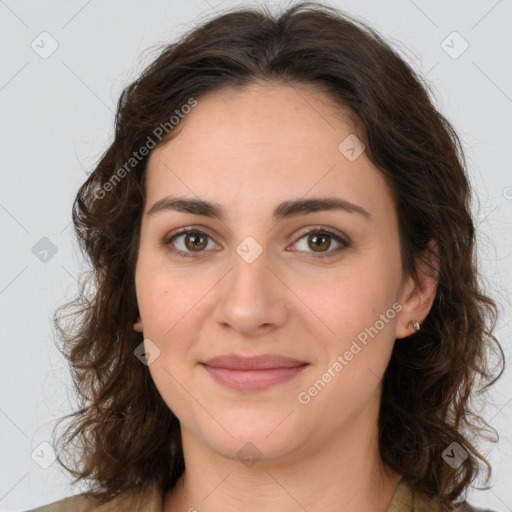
<point x="137" y="326"/>
<point x="417" y="296"/>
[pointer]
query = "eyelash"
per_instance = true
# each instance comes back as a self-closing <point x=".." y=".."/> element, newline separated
<point x="344" y="243"/>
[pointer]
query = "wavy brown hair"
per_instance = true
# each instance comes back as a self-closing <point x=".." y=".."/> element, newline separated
<point x="124" y="436"/>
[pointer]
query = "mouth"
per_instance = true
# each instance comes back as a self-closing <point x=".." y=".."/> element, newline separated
<point x="255" y="373"/>
<point x="260" y="362"/>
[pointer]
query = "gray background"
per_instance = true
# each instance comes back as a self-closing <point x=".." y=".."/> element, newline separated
<point x="57" y="119"/>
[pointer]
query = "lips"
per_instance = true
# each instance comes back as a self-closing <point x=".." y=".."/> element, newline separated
<point x="254" y="373"/>
<point x="261" y="362"/>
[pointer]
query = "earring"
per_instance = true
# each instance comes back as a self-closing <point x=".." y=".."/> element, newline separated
<point x="416" y="326"/>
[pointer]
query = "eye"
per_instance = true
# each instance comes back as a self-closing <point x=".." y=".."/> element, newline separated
<point x="320" y="240"/>
<point x="191" y="240"/>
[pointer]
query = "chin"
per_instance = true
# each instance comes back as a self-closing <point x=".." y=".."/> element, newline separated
<point x="251" y="450"/>
<point x="255" y="434"/>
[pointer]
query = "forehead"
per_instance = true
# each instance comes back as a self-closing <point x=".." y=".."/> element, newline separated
<point x="270" y="115"/>
<point x="263" y="143"/>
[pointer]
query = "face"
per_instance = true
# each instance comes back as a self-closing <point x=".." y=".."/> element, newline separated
<point x="322" y="287"/>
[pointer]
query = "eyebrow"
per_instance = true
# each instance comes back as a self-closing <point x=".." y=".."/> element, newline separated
<point x="286" y="209"/>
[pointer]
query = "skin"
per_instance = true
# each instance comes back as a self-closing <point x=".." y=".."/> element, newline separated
<point x="250" y="149"/>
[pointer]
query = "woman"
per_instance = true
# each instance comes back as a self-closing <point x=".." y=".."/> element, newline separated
<point x="287" y="313"/>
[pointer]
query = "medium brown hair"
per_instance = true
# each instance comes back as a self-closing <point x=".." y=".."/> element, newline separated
<point x="126" y="436"/>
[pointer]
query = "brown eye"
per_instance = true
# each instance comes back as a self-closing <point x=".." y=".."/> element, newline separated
<point x="187" y="242"/>
<point x="319" y="243"/>
<point x="195" y="241"/>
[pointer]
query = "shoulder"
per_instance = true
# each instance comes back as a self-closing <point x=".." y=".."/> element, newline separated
<point x="148" y="499"/>
<point x="466" y="507"/>
<point x="78" y="503"/>
<point x="406" y="499"/>
<point x="424" y="506"/>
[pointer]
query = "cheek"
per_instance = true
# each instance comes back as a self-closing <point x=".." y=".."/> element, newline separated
<point x="165" y="306"/>
<point x="153" y="298"/>
<point x="346" y="303"/>
<point x="171" y="307"/>
<point x="162" y="297"/>
<point x="355" y="348"/>
<point x="357" y="330"/>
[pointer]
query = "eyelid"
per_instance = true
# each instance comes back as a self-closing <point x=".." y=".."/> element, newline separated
<point x="322" y="229"/>
<point x="194" y="228"/>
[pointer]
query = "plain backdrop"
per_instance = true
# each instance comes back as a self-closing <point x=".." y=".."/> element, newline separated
<point x="63" y="66"/>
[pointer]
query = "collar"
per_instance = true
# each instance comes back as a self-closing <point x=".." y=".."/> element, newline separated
<point x="404" y="500"/>
<point x="151" y="500"/>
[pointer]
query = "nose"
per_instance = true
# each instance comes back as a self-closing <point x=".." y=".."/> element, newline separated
<point x="252" y="298"/>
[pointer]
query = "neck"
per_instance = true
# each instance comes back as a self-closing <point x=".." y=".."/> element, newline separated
<point x="343" y="473"/>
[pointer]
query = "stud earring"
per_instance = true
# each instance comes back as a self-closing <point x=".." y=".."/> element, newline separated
<point x="416" y="326"/>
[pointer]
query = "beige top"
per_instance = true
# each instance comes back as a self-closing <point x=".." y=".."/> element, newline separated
<point x="404" y="500"/>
